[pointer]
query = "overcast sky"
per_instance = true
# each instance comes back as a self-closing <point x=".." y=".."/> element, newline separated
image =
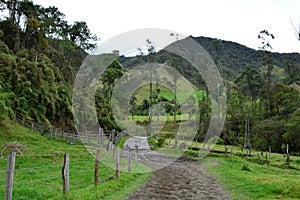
<point x="234" y="20"/>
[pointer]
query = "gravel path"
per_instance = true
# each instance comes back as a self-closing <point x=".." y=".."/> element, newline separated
<point x="183" y="179"/>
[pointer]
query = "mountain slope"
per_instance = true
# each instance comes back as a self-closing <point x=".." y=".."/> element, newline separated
<point x="230" y="57"/>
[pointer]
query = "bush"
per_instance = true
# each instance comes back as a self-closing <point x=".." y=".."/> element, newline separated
<point x="192" y="153"/>
<point x="156" y="143"/>
<point x="220" y="141"/>
<point x="161" y="142"/>
<point x="245" y="167"/>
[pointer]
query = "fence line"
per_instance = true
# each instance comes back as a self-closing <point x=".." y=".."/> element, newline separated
<point x="65" y="172"/>
<point x="90" y="138"/>
<point x="98" y="139"/>
<point x="46" y="155"/>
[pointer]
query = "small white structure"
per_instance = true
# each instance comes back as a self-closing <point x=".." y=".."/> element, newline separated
<point x="141" y="142"/>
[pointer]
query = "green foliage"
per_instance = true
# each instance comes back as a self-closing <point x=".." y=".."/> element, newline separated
<point x="249" y="83"/>
<point x="103" y="95"/>
<point x="39" y="52"/>
<point x="122" y="141"/>
<point x="156" y="142"/>
<point x="41" y="97"/>
<point x="268" y="133"/>
<point x="245" y="167"/>
<point x="291" y="136"/>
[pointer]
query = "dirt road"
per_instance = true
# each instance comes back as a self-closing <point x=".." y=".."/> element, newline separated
<point x="184" y="179"/>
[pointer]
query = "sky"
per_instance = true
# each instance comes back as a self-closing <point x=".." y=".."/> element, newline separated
<point x="232" y="20"/>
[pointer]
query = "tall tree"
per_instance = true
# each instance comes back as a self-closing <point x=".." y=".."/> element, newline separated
<point x="265" y="37"/>
<point x="151" y="50"/>
<point x="113" y="73"/>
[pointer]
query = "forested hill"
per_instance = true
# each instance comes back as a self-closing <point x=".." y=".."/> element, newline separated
<point x="232" y="58"/>
<point x="39" y="54"/>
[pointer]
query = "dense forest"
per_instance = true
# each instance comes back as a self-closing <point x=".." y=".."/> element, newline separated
<point x="40" y="53"/>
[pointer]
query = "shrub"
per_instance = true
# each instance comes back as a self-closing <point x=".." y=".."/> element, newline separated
<point x="245" y="167"/>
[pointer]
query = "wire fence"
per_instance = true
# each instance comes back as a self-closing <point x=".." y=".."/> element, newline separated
<point x="37" y="175"/>
<point x="34" y="173"/>
<point x="90" y="138"/>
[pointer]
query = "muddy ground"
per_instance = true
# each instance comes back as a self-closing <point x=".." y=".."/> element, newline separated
<point x="183" y="179"/>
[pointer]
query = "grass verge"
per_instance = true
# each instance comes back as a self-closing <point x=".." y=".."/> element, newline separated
<point x="257" y="182"/>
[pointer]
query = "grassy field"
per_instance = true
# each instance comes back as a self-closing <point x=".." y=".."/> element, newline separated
<point x="275" y="159"/>
<point x="253" y="177"/>
<point x="255" y="181"/>
<point x="38" y="169"/>
<point x="182" y="94"/>
<point x="168" y="118"/>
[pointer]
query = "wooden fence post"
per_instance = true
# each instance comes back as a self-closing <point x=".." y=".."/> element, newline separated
<point x="50" y="130"/>
<point x="96" y="177"/>
<point x="287" y="155"/>
<point x="136" y="154"/>
<point x="117" y="163"/>
<point x="108" y="146"/>
<point x="113" y="133"/>
<point x="99" y="135"/>
<point x="10" y="175"/>
<point x="102" y="135"/>
<point x="203" y="146"/>
<point x="65" y="174"/>
<point x="288" y="159"/>
<point x="129" y="158"/>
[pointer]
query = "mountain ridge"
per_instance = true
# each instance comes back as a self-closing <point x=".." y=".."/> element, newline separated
<point x="232" y="58"/>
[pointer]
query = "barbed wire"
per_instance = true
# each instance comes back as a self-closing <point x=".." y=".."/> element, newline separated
<point x="16" y="183"/>
<point x="53" y="154"/>
<point x="81" y="171"/>
<point x="36" y="168"/>
<point x="47" y="155"/>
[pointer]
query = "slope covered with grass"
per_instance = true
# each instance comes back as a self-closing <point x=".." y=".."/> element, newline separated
<point x="247" y="180"/>
<point x="38" y="169"/>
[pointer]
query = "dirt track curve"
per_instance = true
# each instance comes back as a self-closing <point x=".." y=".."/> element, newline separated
<point x="184" y="179"/>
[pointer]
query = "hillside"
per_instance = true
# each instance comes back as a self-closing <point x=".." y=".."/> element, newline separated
<point x="230" y="57"/>
<point x="38" y="168"/>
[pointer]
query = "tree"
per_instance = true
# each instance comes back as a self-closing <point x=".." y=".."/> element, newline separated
<point x="265" y="37"/>
<point x="35" y="76"/>
<point x="292" y="134"/>
<point x="133" y="105"/>
<point x="151" y="50"/>
<point x="268" y="133"/>
<point x="113" y="73"/>
<point x="53" y="23"/>
<point x="250" y="83"/>
<point x="80" y="34"/>
<point x="293" y="71"/>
